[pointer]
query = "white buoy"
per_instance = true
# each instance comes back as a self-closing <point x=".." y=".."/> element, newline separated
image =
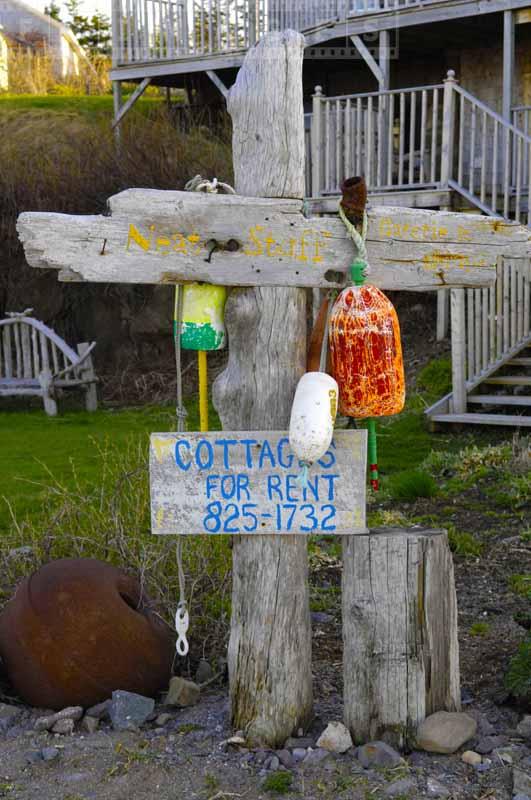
<point x="313" y="414"/>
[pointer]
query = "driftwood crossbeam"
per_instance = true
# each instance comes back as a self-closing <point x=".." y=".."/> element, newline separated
<point x="158" y="237"/>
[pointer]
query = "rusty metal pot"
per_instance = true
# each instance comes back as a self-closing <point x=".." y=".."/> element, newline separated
<point x="76" y="630"/>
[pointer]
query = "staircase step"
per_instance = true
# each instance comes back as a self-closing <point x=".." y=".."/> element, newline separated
<point x="520" y="362"/>
<point x="512" y="420"/>
<point x="500" y="399"/>
<point x="510" y="380"/>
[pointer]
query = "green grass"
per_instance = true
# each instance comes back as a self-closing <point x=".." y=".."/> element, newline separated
<point x="411" y="484"/>
<point x="278" y="782"/>
<point x="81" y="104"/>
<point x="67" y="447"/>
<point x="480" y="629"/>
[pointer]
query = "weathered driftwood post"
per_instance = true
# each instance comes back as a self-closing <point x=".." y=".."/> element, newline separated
<point x="270" y="643"/>
<point x="401" y="656"/>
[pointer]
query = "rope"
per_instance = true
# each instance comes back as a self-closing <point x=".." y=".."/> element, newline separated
<point x="182" y="616"/>
<point x="357" y="237"/>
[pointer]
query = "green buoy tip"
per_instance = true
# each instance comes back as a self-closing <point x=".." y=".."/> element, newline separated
<point x="357" y="272"/>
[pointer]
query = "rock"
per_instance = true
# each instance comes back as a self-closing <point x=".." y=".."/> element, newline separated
<point x="299" y="754"/>
<point x="445" y="731"/>
<point x="485" y="765"/>
<point x="285" y="758"/>
<point x="320" y="618"/>
<point x="299" y="741"/>
<point x="472" y="758"/>
<point x="487" y="744"/>
<point x="101" y="711"/>
<point x="49" y="753"/>
<point x="8" y="716"/>
<point x="524" y="727"/>
<point x="182" y="693"/>
<point x="466" y="697"/>
<point x="272" y="763"/>
<point x="378" y="754"/>
<point x="34" y="757"/>
<point x="521" y="781"/>
<point x="314" y="757"/>
<point x="336" y="738"/>
<point x="520" y="796"/>
<point x="436" y="789"/>
<point x="90" y="724"/>
<point x="204" y="672"/>
<point x="163" y="720"/>
<point x="45" y="723"/>
<point x="261" y="756"/>
<point x="72" y="712"/>
<point x="401" y="788"/>
<point x="129" y="710"/>
<point x="65" y="727"/>
<point x="505" y="755"/>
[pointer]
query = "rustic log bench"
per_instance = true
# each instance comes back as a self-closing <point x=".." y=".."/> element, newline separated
<point x="34" y="360"/>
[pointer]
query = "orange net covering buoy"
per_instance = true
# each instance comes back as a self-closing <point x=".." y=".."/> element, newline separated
<point x="366" y="353"/>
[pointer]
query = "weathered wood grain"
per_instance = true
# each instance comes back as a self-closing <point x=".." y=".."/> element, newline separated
<point x="166" y="237"/>
<point x="270" y="643"/>
<point x="401" y="656"/>
<point x="248" y="483"/>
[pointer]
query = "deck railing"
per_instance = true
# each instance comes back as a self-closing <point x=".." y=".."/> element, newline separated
<point x="161" y="30"/>
<point x="492" y="159"/>
<point x="391" y="137"/>
<point x="424" y="137"/>
<point x="489" y="326"/>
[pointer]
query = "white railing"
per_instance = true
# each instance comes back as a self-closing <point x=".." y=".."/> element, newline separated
<point x="489" y="326"/>
<point x="161" y="30"/>
<point x="491" y="162"/>
<point x="421" y="138"/>
<point x="393" y="138"/>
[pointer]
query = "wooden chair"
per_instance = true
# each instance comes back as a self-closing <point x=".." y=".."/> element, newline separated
<point x="34" y="360"/>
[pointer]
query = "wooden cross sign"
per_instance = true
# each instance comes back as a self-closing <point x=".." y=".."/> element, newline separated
<point x="399" y="610"/>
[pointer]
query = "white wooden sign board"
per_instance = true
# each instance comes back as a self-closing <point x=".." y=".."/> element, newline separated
<point x="245" y="483"/>
<point x="156" y="237"/>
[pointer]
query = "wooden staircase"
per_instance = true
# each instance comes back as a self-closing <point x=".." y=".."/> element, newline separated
<point x="491" y="352"/>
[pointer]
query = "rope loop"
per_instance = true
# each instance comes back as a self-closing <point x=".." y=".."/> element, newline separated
<point x="357" y="237"/>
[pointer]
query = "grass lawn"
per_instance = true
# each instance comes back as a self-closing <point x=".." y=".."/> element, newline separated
<point x="36" y="447"/>
<point x="80" y="104"/>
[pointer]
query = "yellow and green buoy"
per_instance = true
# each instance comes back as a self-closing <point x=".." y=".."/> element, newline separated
<point x="202" y="329"/>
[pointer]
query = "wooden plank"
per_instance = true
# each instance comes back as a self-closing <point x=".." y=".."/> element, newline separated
<point x="520" y="362"/>
<point x="484" y="419"/>
<point x="8" y="356"/>
<point x="26" y="349"/>
<point x="457" y="306"/>
<point x="247" y="482"/>
<point x="500" y="399"/>
<point x="165" y="237"/>
<point x="509" y="380"/>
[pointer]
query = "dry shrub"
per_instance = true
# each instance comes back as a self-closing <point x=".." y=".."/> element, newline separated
<point x="32" y="72"/>
<point x="60" y="161"/>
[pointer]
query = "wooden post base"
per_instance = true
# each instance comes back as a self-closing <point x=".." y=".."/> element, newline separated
<point x="401" y="656"/>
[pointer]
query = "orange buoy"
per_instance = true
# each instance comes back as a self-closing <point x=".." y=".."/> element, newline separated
<point x="366" y="351"/>
<point x="366" y="356"/>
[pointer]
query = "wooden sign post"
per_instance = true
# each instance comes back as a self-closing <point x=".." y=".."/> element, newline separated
<point x="399" y="606"/>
